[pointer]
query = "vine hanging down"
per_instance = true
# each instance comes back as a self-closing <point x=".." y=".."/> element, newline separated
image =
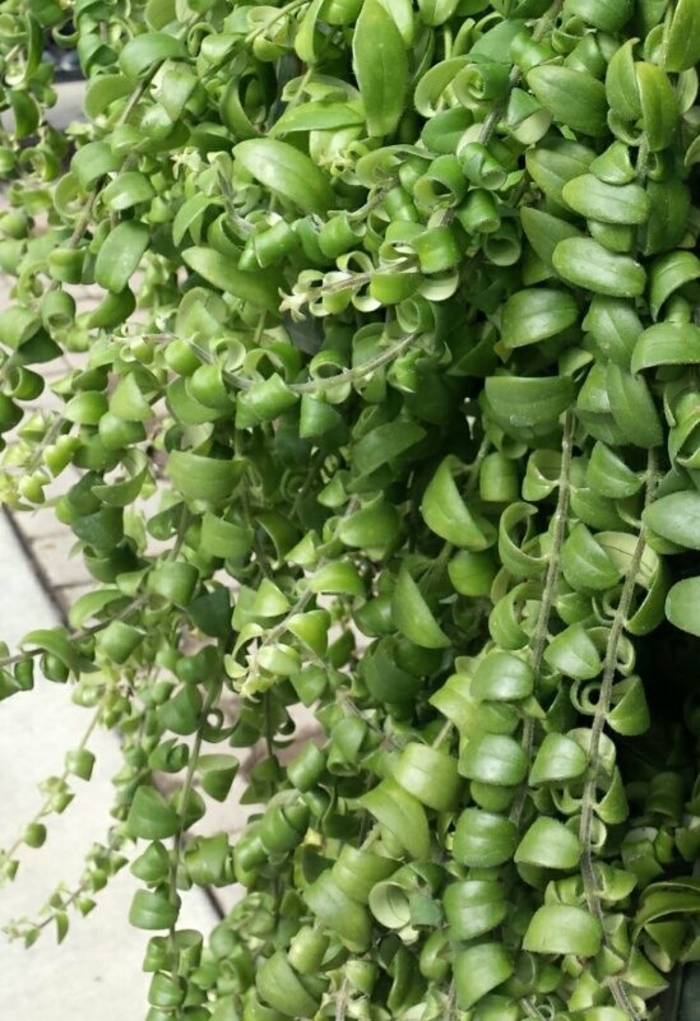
<point x="387" y="412"/>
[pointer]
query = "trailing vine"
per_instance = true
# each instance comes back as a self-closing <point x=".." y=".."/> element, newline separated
<point x="388" y="412"/>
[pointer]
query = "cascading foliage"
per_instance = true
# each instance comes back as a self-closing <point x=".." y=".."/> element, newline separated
<point x="389" y="408"/>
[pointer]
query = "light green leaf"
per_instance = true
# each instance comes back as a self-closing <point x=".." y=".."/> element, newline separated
<point x="286" y="172"/>
<point x="381" y="67"/>
<point x="120" y="254"/>
<point x="683" y="606"/>
<point x="563" y="929"/>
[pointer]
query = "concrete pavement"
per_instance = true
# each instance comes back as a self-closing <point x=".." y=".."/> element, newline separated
<point x="95" y="974"/>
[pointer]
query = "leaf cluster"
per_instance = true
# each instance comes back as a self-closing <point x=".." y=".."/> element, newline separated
<point x="386" y="413"/>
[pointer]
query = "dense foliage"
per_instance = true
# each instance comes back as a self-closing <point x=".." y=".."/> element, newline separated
<point x="390" y="409"/>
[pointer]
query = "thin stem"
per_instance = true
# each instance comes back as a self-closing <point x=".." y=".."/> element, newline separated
<point x="544" y="25"/>
<point x="341" y="379"/>
<point x="590" y="885"/>
<point x="284" y="12"/>
<point x="45" y="807"/>
<point x="75" y="636"/>
<point x="552" y="577"/>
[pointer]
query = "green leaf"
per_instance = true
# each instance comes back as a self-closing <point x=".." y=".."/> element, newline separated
<point x="573" y="653"/>
<point x="129" y="189"/>
<point x="676" y="517"/>
<point x="500" y="676"/>
<point x="484" y="839"/>
<point x="633" y="408"/>
<point x="621" y="86"/>
<point x="563" y="929"/>
<point x="679" y="896"/>
<point x="669" y="273"/>
<point x="380" y="64"/>
<point x="386" y="442"/>
<point x="478" y="970"/>
<point x="608" y="474"/>
<point x="585" y="564"/>
<point x="681" y="51"/>
<point x="585" y="263"/>
<point x="285" y="171"/>
<point x="430" y="776"/>
<point x="608" y="203"/>
<point x="494" y="759"/>
<point x="615" y="326"/>
<point x="318" y="116"/>
<point x="549" y="844"/>
<point x="260" y="288"/>
<point x="630" y="712"/>
<point x="216" y="773"/>
<point x="401" y="815"/>
<point x="92" y="162"/>
<point x="528" y="407"/>
<point x="474" y="907"/>
<point x="437" y="12"/>
<point x="150" y="816"/>
<point x="279" y="986"/>
<point x="659" y="105"/>
<point x="338" y="912"/>
<point x="91" y="604"/>
<point x="413" y="617"/>
<point x="143" y="51"/>
<point x="558" y="759"/>
<point x="151" y="909"/>
<point x="120" y="254"/>
<point x="445" y="512"/>
<point x="683" y="606"/>
<point x="574" y="98"/>
<point x="102" y="91"/>
<point x="203" y="478"/>
<point x="356" y="872"/>
<point x="536" y="314"/>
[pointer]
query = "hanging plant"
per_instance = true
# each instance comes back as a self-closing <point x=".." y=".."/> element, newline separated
<point x="387" y="410"/>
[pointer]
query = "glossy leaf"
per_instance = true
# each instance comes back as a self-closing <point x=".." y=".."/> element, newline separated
<point x="484" y="839"/>
<point x="676" y="517"/>
<point x="563" y="929"/>
<point x="260" y="288"/>
<point x="494" y="759"/>
<point x="633" y="407"/>
<point x="574" y="98"/>
<point x="413" y="616"/>
<point x="502" y="677"/>
<point x="668" y="274"/>
<point x="536" y="314"/>
<point x="474" y="907"/>
<point x="446" y="513"/>
<point x="682" y="45"/>
<point x="528" y="406"/>
<point x="281" y="987"/>
<point x="609" y="203"/>
<point x="549" y="844"/>
<point x="120" y="254"/>
<point x="285" y="171"/>
<point x="683" y="606"/>
<point x="573" y="653"/>
<point x="143" y="51"/>
<point x="402" y="815"/>
<point x="381" y="67"/>
<point x="559" y="758"/>
<point x="430" y="776"/>
<point x="203" y="478"/>
<point x="480" y="969"/>
<point x="585" y="263"/>
<point x="150" y="816"/>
